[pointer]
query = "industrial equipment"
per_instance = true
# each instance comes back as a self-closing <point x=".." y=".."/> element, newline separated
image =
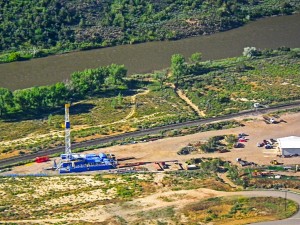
<point x="71" y="162"/>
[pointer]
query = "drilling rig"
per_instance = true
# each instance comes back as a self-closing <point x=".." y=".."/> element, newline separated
<point x="74" y="162"/>
<point x="68" y="150"/>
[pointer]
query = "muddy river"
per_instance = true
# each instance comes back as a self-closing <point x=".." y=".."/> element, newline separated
<point x="270" y="32"/>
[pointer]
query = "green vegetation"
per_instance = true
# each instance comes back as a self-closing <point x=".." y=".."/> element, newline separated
<point x="109" y="103"/>
<point x="262" y="177"/>
<point x="213" y="144"/>
<point x="36" y="100"/>
<point x="228" y="210"/>
<point x="204" y="177"/>
<point x="178" y="67"/>
<point x="231" y="85"/>
<point x="271" y="182"/>
<point x="219" y="143"/>
<point x="36" y="29"/>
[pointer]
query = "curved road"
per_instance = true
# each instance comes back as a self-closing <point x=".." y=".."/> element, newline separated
<point x="294" y="220"/>
<point x="155" y="130"/>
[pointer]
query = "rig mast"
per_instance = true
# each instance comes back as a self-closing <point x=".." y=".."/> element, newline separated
<point x="68" y="151"/>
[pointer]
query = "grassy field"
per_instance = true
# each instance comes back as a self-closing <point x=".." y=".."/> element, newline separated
<point x="238" y="210"/>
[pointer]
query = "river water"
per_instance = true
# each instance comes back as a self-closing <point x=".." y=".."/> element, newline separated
<point x="270" y="32"/>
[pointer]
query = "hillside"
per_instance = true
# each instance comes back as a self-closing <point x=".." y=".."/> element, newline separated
<point x="38" y="28"/>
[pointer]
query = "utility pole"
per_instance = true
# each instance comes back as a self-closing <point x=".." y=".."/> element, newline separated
<point x="285" y="205"/>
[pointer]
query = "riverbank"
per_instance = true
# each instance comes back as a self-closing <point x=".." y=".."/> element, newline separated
<point x="80" y="27"/>
<point x="142" y="58"/>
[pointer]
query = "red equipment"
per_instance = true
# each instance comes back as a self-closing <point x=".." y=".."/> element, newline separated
<point x="42" y="159"/>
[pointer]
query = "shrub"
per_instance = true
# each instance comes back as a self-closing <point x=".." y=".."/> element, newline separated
<point x="250" y="52"/>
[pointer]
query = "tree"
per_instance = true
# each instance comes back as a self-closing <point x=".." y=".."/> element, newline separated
<point x="119" y="20"/>
<point x="113" y="103"/>
<point x="161" y="77"/>
<point x="22" y="99"/>
<point x="79" y="83"/>
<point x="178" y="67"/>
<point x="117" y="73"/>
<point x="57" y="94"/>
<point x="196" y="57"/>
<point x="97" y="78"/>
<point x="6" y="100"/>
<point x="231" y="139"/>
<point x="15" y="56"/>
<point x="89" y="81"/>
<point x="37" y="96"/>
<point x="120" y="99"/>
<point x="250" y="52"/>
<point x="81" y="23"/>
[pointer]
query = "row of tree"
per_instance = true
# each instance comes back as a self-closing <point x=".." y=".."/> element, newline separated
<point x="82" y="84"/>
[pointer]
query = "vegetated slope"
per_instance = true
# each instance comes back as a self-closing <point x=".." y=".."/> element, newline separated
<point x="60" y="25"/>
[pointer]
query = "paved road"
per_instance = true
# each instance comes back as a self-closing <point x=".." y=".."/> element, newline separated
<point x="294" y="220"/>
<point x="140" y="133"/>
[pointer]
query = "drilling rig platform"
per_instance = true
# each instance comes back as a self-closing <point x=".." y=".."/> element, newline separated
<point x="72" y="163"/>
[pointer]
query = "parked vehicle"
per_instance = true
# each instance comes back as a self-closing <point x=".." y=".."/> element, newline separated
<point x="275" y="162"/>
<point x="268" y="146"/>
<point x="242" y="135"/>
<point x="239" y="145"/>
<point x="260" y="144"/>
<point x="245" y="163"/>
<point x="265" y="142"/>
<point x="42" y="159"/>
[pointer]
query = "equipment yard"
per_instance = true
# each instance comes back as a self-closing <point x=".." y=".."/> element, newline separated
<point x="166" y="149"/>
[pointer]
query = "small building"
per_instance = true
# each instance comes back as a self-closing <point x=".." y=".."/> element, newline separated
<point x="289" y="145"/>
